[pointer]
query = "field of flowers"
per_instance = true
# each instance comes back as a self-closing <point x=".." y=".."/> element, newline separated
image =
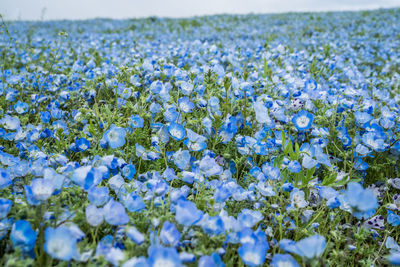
<point x="212" y="141"/>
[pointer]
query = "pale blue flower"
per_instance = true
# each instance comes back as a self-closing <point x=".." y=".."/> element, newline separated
<point x="360" y="199"/>
<point x="209" y="167"/>
<point x="303" y="120"/>
<point x="21" y="107"/>
<point x="5" y="207"/>
<point x="136" y="121"/>
<point x="114" y="213"/>
<point x="185" y="105"/>
<point x="169" y="234"/>
<point x="253" y="254"/>
<point x="23" y="236"/>
<point x="5" y="179"/>
<point x="311" y="247"/>
<point x="176" y="131"/>
<point x="281" y="260"/>
<point x="60" y="243"/>
<point x="94" y="215"/>
<point x="115" y="136"/>
<point x="161" y="256"/>
<point x="135" y="235"/>
<point x="181" y="159"/>
<point x="187" y="213"/>
<point x="42" y="189"/>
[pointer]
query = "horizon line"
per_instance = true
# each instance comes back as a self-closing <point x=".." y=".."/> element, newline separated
<point x="205" y="15"/>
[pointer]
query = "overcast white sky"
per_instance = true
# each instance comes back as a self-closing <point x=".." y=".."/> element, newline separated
<point x="84" y="9"/>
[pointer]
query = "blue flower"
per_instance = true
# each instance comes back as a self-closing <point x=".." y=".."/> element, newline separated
<point x="308" y="162"/>
<point x="214" y="260"/>
<point x="5" y="207"/>
<point x="116" y="183"/>
<point x="169" y="174"/>
<point x="209" y="167"/>
<point x="188" y="258"/>
<point x="60" y="243"/>
<point x="392" y="245"/>
<point x="294" y="166"/>
<point x="98" y="195"/>
<point x="311" y="247"/>
<point x="179" y="193"/>
<point x="333" y="203"/>
<point x="287" y="187"/>
<point x="155" y="108"/>
<point x="22" y="235"/>
<point x="115" y="136"/>
<point x="140" y="152"/>
<point x="311" y="85"/>
<point x="171" y="114"/>
<point x="94" y="215"/>
<point x="288" y="246"/>
<point x="30" y="198"/>
<point x="114" y="213"/>
<point x="362" y="117"/>
<point x="5" y="225"/>
<point x="374" y="141"/>
<point x="303" y="120"/>
<point x="5" y="179"/>
<point x="136" y="262"/>
<point x="42" y="189"/>
<point x="320" y="156"/>
<point x="362" y="150"/>
<point x="185" y="105"/>
<point x="135" y="235"/>
<point x="156" y="87"/>
<point x="394" y="258"/>
<point x="84" y="177"/>
<point x="213" y="225"/>
<point x="109" y="250"/>
<point x="169" y="235"/>
<point x="181" y="159"/>
<point x="249" y="218"/>
<point x="253" y="254"/>
<point x="176" y="131"/>
<point x="262" y="113"/>
<point x="297" y="199"/>
<point x="393" y="218"/>
<point x="10" y="123"/>
<point x="136" y="121"/>
<point x="45" y="116"/>
<point x="360" y="165"/>
<point x="187" y="213"/>
<point x="213" y="104"/>
<point x="271" y="172"/>
<point x="21" y="107"/>
<point x="186" y="88"/>
<point x="128" y="171"/>
<point x="82" y="144"/>
<point x="194" y="141"/>
<point x="280" y="260"/>
<point x="161" y="256"/>
<point x="151" y="155"/>
<point x="361" y="200"/>
<point x="133" y="202"/>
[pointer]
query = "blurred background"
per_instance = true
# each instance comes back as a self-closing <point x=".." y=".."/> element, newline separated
<point x="118" y="9"/>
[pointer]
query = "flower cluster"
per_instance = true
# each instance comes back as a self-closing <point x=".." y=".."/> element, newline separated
<point x="211" y="141"/>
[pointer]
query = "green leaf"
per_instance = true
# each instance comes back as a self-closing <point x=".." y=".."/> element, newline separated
<point x="297" y="149"/>
<point x="310" y="173"/>
<point x="330" y="179"/>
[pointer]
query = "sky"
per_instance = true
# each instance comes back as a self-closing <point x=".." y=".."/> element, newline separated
<point x="86" y="9"/>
